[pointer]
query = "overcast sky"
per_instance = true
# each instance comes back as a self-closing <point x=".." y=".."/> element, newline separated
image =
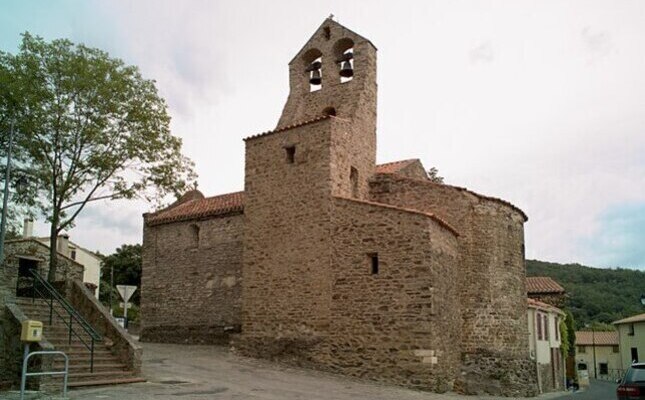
<point x="541" y="103"/>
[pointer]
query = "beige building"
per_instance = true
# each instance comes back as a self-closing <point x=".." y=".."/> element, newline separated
<point x="598" y="354"/>
<point x="332" y="261"/>
<point x="544" y="343"/>
<point x="90" y="261"/>
<point x="631" y="336"/>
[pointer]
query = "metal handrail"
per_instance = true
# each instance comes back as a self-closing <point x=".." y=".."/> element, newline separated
<point x="53" y="294"/>
<point x="65" y="304"/>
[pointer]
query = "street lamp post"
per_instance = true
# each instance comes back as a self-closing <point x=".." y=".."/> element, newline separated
<point x="5" y="199"/>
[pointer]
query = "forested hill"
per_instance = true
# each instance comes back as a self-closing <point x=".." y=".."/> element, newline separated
<point x="595" y="294"/>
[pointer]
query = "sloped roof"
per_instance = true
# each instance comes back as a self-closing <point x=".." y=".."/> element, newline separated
<point x="196" y="208"/>
<point x="285" y="128"/>
<point x="532" y="303"/>
<point x="394" y="166"/>
<point x="589" y="338"/>
<point x="543" y="285"/>
<point x="631" y="320"/>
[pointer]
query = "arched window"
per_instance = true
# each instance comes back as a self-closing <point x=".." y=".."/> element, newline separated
<point x="312" y="63"/>
<point x="344" y="54"/>
<point x="329" y="111"/>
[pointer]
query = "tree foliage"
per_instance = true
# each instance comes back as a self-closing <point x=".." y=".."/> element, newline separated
<point x="433" y="175"/>
<point x="91" y="128"/>
<point x="595" y="296"/>
<point x="126" y="263"/>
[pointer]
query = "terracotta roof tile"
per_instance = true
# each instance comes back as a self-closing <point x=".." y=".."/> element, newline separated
<point x="197" y="208"/>
<point x="589" y="338"/>
<point x="394" y="166"/>
<point x="532" y="303"/>
<point x="630" y="320"/>
<point x="542" y="285"/>
<point x="285" y="128"/>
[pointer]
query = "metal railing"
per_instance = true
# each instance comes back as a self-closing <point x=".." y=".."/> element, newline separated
<point x="46" y="291"/>
<point x="612" y="375"/>
<point x="26" y="373"/>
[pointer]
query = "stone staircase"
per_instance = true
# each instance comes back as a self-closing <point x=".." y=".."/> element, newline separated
<point x="108" y="369"/>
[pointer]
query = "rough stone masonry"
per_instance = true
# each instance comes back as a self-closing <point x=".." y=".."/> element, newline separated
<point x="329" y="261"/>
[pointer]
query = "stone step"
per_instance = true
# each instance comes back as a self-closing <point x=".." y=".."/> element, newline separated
<point x="98" y="367"/>
<point x="86" y="359"/>
<point x="104" y="382"/>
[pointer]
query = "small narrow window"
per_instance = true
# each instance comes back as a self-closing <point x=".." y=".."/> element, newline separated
<point x="539" y="326"/>
<point x="546" y="327"/>
<point x="291" y="154"/>
<point x="556" y="328"/>
<point x="327" y="32"/>
<point x="194" y="232"/>
<point x="353" y="179"/>
<point x="631" y="330"/>
<point x="615" y="349"/>
<point x="373" y="260"/>
<point x="582" y="349"/>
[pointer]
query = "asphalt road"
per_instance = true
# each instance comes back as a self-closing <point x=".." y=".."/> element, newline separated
<point x="598" y="390"/>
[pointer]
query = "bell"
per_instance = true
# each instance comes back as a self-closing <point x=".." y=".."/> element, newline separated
<point x="346" y="70"/>
<point x="315" y="77"/>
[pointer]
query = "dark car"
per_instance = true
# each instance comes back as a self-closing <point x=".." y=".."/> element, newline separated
<point x="632" y="386"/>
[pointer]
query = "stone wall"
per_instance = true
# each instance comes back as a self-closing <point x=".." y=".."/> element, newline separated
<point x="123" y="346"/>
<point x="492" y="282"/>
<point x="191" y="280"/>
<point x="402" y="324"/>
<point x="287" y="244"/>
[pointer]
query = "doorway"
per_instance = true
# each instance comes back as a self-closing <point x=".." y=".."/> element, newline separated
<point x="25" y="278"/>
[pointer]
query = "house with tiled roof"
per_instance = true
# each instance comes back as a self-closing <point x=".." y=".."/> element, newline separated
<point x="330" y="260"/>
<point x="631" y="337"/>
<point x="544" y="344"/>
<point x="545" y="289"/>
<point x="598" y="353"/>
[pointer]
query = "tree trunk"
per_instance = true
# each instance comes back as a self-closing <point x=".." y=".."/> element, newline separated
<point x="53" y="252"/>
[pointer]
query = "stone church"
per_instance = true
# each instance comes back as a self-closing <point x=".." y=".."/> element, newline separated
<point x="330" y="261"/>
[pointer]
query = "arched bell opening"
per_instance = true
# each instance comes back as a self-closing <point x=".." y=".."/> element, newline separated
<point x="312" y="63"/>
<point x="344" y="54"/>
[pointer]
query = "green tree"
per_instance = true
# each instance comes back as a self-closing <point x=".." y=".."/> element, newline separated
<point x="92" y="128"/>
<point x="433" y="175"/>
<point x="571" y="333"/>
<point x="126" y="263"/>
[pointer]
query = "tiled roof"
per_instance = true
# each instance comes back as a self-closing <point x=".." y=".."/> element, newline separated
<point x="542" y="285"/>
<point x="394" y="166"/>
<point x="197" y="208"/>
<point x="532" y="303"/>
<point x="631" y="320"/>
<point x="589" y="338"/>
<point x="285" y="128"/>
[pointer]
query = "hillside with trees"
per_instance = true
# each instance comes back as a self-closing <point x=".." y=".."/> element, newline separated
<point x="595" y="295"/>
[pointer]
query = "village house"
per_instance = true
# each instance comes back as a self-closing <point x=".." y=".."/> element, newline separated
<point x="546" y="290"/>
<point x="631" y="338"/>
<point x="598" y="353"/>
<point x="544" y="341"/>
<point x="330" y="261"/>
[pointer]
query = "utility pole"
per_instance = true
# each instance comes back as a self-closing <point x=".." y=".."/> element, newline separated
<point x="5" y="200"/>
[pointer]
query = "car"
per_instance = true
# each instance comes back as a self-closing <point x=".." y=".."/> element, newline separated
<point x="632" y="386"/>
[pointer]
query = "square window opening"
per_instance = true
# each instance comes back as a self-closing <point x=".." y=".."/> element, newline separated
<point x="291" y="154"/>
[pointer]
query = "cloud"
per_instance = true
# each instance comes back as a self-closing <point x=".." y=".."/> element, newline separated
<point x="482" y="53"/>
<point x="618" y="240"/>
<point x="598" y="44"/>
